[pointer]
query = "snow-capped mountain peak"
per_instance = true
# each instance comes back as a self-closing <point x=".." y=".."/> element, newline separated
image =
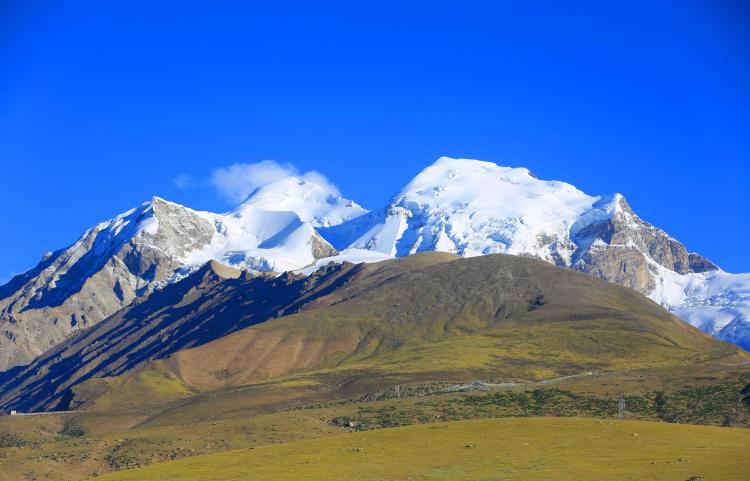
<point x="310" y="201"/>
<point x="465" y="206"/>
<point x="472" y="207"/>
<point x="274" y="228"/>
<point x="155" y="243"/>
<point x="456" y="185"/>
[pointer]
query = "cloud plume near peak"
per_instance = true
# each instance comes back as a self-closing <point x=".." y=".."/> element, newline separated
<point x="235" y="182"/>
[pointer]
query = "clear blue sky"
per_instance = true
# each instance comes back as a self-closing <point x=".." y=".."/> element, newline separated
<point x="104" y="104"/>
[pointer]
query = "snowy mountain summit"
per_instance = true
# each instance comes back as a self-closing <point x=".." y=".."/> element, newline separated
<point x="274" y="229"/>
<point x="464" y="206"/>
<point x="156" y="243"/>
<point x="475" y="208"/>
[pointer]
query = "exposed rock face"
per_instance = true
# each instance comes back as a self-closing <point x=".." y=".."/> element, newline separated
<point x="620" y="247"/>
<point x="697" y="263"/>
<point x="621" y="265"/>
<point x="321" y="248"/>
<point x="105" y="270"/>
<point x="150" y="246"/>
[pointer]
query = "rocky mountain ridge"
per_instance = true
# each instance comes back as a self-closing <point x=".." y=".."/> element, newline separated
<point x="158" y="243"/>
<point x="462" y="206"/>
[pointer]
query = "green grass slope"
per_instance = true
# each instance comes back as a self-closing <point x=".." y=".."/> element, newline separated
<point x="503" y="449"/>
<point x="85" y="444"/>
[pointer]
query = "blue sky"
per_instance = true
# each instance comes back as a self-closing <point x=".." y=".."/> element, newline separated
<point x="104" y="104"/>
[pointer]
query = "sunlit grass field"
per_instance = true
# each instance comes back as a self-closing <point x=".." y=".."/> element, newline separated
<point x="498" y="449"/>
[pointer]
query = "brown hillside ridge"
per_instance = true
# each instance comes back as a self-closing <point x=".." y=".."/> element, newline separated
<point x="430" y="317"/>
<point x="230" y="360"/>
<point x="390" y="305"/>
<point x="210" y="303"/>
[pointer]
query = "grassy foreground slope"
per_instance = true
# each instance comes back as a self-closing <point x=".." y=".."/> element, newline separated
<point x="499" y="449"/>
<point x="431" y="318"/>
<point x="50" y="447"/>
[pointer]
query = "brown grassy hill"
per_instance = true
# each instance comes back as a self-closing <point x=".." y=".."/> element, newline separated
<point x="424" y="318"/>
<point x="432" y="318"/>
<point x="209" y="304"/>
<point x="518" y="449"/>
<point x="438" y="319"/>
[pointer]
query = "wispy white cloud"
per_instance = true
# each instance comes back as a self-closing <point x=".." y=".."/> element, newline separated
<point x="317" y="178"/>
<point x="235" y="182"/>
<point x="184" y="181"/>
